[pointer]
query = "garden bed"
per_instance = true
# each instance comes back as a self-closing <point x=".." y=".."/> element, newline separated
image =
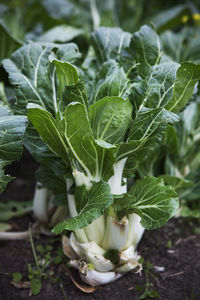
<point x="175" y="248"/>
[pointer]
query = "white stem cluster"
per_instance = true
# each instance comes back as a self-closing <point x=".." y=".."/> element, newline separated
<point x="90" y="244"/>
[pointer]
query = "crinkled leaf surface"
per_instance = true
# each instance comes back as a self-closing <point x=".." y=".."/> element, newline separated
<point x="74" y="93"/>
<point x="48" y="129"/>
<point x="154" y="202"/>
<point x="89" y="154"/>
<point x="12" y="129"/>
<point x="160" y="84"/>
<point x="111" y="80"/>
<point x="33" y="76"/>
<point x="187" y="76"/>
<point x="110" y="118"/>
<point x="146" y="44"/>
<point x="148" y="120"/>
<point x="67" y="74"/>
<point x="145" y="135"/>
<point x="110" y="43"/>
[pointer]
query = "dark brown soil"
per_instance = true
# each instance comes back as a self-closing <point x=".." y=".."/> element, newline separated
<point x="174" y="247"/>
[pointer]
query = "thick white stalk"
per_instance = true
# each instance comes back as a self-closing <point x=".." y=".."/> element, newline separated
<point x="116" y="233"/>
<point x="20" y="235"/>
<point x="80" y="233"/>
<point x="14" y="235"/>
<point x="80" y="179"/>
<point x="96" y="230"/>
<point x="136" y="231"/>
<point x="115" y="181"/>
<point x="40" y="204"/>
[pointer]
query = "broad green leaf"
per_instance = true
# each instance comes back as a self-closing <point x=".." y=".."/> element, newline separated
<point x="147" y="50"/>
<point x="110" y="81"/>
<point x="90" y="155"/>
<point x="160" y="84"/>
<point x="137" y="151"/>
<point x="180" y="185"/>
<point x="7" y="41"/>
<point x="53" y="170"/>
<point x="76" y="126"/>
<point x="61" y="33"/>
<point x="43" y="154"/>
<point x="110" y="119"/>
<point x="110" y="43"/>
<point x="11" y="132"/>
<point x="148" y="120"/>
<point x="100" y="157"/>
<point x="32" y="75"/>
<point x="145" y="136"/>
<point x="154" y="202"/>
<point x="186" y="78"/>
<point x="74" y="93"/>
<point x="66" y="72"/>
<point x="90" y="204"/>
<point x="12" y="129"/>
<point x="48" y="129"/>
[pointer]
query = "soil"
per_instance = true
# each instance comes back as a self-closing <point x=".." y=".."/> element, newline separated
<point x="175" y="248"/>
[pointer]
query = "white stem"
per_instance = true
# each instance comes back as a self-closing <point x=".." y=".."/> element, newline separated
<point x="81" y="179"/>
<point x="116" y="234"/>
<point x="80" y="233"/>
<point x="40" y="204"/>
<point x="20" y="235"/>
<point x="96" y="230"/>
<point x="14" y="235"/>
<point x="136" y="231"/>
<point x="115" y="181"/>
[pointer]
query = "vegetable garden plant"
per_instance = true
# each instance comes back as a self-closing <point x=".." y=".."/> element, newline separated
<point x="99" y="125"/>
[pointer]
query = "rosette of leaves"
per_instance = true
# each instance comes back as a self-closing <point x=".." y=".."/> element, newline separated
<point x="92" y="126"/>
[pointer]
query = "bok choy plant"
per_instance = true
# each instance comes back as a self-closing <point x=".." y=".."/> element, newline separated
<point x="12" y="128"/>
<point x="182" y="161"/>
<point x="93" y="122"/>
